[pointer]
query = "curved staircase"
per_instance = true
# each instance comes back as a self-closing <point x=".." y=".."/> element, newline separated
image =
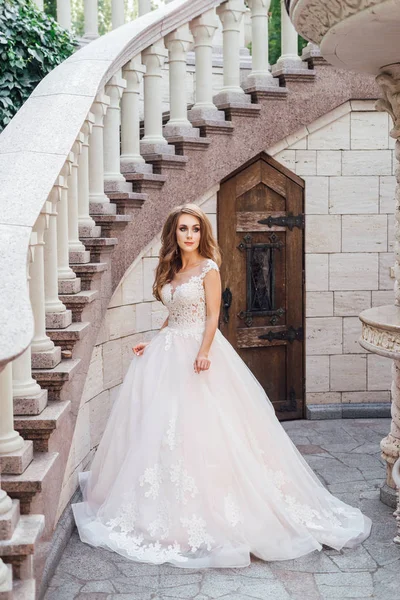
<point x="81" y="213"/>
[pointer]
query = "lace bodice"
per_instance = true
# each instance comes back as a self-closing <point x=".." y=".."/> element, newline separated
<point x="185" y="299"/>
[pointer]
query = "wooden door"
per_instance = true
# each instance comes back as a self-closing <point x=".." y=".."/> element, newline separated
<point x="261" y="234"/>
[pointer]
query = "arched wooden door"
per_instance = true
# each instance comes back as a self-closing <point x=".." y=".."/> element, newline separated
<point x="261" y="234"/>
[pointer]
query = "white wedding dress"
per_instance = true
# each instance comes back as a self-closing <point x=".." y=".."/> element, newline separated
<point x="195" y="469"/>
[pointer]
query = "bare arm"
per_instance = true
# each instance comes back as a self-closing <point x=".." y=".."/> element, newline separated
<point x="212" y="286"/>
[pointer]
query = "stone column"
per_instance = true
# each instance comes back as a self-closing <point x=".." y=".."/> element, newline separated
<point x="113" y="180"/>
<point x="203" y="29"/>
<point x="45" y="355"/>
<point x="64" y="13"/>
<point x="178" y="43"/>
<point x="153" y="141"/>
<point x="68" y="282"/>
<point x="289" y="62"/>
<point x="10" y="440"/>
<point x="381" y="325"/>
<point x="144" y="7"/>
<point x="86" y="224"/>
<point x="98" y="201"/>
<point x="231" y="14"/>
<point x="131" y="159"/>
<point x="76" y="250"/>
<point x="260" y="77"/>
<point x="91" y="19"/>
<point x="117" y="13"/>
<point x="57" y="316"/>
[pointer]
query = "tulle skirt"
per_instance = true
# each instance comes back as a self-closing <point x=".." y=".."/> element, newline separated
<point x="196" y="470"/>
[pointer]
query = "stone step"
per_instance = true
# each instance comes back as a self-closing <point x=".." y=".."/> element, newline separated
<point x="109" y="222"/>
<point x="210" y="126"/>
<point x="141" y="182"/>
<point x="99" y="245"/>
<point x="126" y="200"/>
<point x="26" y="486"/>
<point x="6" y="588"/>
<point x="184" y="143"/>
<point x="77" y="302"/>
<point x="236" y="109"/>
<point x="15" y="463"/>
<point x="22" y="544"/>
<point x="163" y="163"/>
<point x="24" y="589"/>
<point x="67" y="338"/>
<point x="39" y="428"/>
<point x="54" y="379"/>
<point x="9" y="521"/>
<point x="30" y="405"/>
<point x="88" y="271"/>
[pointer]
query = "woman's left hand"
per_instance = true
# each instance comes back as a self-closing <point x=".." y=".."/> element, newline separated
<point x="201" y="363"/>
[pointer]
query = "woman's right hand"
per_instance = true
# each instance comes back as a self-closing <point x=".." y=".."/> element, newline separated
<point x="139" y="348"/>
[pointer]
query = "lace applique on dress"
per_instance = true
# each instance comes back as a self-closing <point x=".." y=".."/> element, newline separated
<point x="232" y="511"/>
<point x="197" y="534"/>
<point x="186" y="304"/>
<point x="185" y="484"/>
<point x="153" y="477"/>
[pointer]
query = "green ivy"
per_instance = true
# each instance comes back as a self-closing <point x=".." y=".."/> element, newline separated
<point x="31" y="45"/>
<point x="275" y="33"/>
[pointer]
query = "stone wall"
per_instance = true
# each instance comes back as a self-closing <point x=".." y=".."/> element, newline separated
<point x="346" y="160"/>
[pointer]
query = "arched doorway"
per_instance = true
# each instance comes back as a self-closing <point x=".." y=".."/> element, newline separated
<point x="260" y="215"/>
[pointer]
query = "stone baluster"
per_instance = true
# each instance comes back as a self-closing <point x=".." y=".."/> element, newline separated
<point x="117" y="13"/>
<point x="113" y="180"/>
<point x="57" y="316"/>
<point x="131" y="159"/>
<point x="10" y="440"/>
<point x="5" y="580"/>
<point x="64" y="13"/>
<point x="289" y="63"/>
<point x="203" y="29"/>
<point x="144" y="7"/>
<point x="178" y="43"/>
<point x="76" y="250"/>
<point x="91" y="19"/>
<point x="231" y="14"/>
<point x="260" y="77"/>
<point x="68" y="283"/>
<point x="45" y="355"/>
<point x="153" y="141"/>
<point x="86" y="224"/>
<point x="98" y="201"/>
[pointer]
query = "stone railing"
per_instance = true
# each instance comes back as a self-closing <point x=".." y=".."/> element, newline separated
<point x="396" y="478"/>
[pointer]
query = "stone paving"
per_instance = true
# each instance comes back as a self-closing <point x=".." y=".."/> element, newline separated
<point x="345" y="455"/>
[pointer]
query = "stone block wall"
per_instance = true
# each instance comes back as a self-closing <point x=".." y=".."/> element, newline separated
<point x="347" y="161"/>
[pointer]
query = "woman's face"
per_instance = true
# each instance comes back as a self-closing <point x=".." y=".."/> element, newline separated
<point x="188" y="233"/>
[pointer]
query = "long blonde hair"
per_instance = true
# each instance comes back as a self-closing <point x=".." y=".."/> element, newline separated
<point x="170" y="256"/>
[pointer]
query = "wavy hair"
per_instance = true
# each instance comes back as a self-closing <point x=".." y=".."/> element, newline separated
<point x="170" y="261"/>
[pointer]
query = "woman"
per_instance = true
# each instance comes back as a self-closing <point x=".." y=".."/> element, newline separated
<point x="194" y="468"/>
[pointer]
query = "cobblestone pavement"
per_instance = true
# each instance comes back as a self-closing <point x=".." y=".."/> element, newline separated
<point x="345" y="455"/>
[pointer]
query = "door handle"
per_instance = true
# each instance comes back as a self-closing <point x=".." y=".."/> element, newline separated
<point x="227" y="301"/>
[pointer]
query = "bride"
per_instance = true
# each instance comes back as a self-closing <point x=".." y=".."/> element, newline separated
<point x="194" y="468"/>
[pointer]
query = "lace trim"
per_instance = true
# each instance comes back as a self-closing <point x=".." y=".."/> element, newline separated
<point x="232" y="511"/>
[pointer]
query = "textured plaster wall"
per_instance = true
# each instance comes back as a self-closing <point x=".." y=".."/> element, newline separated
<point x="346" y="159"/>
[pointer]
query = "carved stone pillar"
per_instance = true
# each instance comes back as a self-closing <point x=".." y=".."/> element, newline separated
<point x="381" y="325"/>
<point x="117" y="13"/>
<point x="91" y="17"/>
<point x="289" y="63"/>
<point x="113" y="180"/>
<point x="144" y="7"/>
<point x="64" y="13"/>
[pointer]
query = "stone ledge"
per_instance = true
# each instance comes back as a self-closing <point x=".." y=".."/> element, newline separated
<point x="213" y="126"/>
<point x="54" y="379"/>
<point x="39" y="428"/>
<point x="24" y="487"/>
<point x="67" y="338"/>
<point x="184" y="143"/>
<point x="87" y="272"/>
<point x="77" y="302"/>
<point x="348" y="411"/>
<point x="145" y="181"/>
<point x="30" y="405"/>
<point x="166" y="162"/>
<point x="18" y="550"/>
<point x="123" y="201"/>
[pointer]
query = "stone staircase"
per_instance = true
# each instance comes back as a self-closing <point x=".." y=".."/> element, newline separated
<point x="192" y="159"/>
